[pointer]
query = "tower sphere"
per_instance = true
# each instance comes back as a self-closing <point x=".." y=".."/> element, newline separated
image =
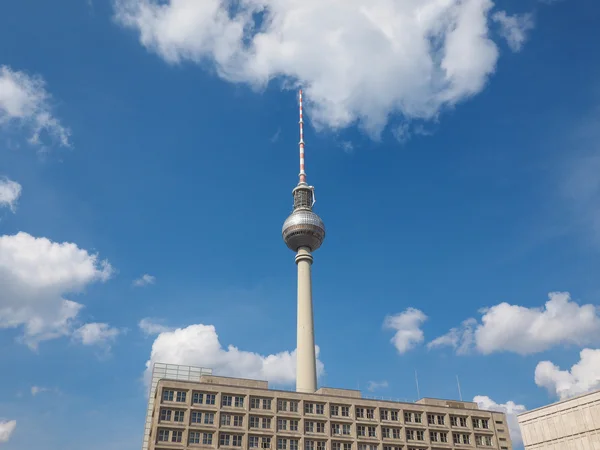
<point x="303" y="228"/>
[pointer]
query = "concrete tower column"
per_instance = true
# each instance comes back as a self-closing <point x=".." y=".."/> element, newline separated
<point x="306" y="365"/>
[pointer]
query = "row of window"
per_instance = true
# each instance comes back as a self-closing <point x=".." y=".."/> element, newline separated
<point x="235" y="420"/>
<point x="264" y="442"/>
<point x="237" y="401"/>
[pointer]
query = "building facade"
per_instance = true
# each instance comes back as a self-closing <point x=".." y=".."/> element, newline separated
<point x="572" y="424"/>
<point x="235" y="414"/>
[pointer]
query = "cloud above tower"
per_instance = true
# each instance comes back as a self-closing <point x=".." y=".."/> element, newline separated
<point x="199" y="345"/>
<point x="358" y="61"/>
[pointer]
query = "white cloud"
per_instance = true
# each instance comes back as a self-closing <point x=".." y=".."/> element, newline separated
<point x="144" y="280"/>
<point x="10" y="191"/>
<point x="35" y="390"/>
<point x="429" y="54"/>
<point x="407" y="325"/>
<point x="514" y="28"/>
<point x="150" y="327"/>
<point x="25" y="102"/>
<point x="522" y="330"/>
<point x="583" y="377"/>
<point x="198" y="345"/>
<point x="96" y="334"/>
<point x="375" y="385"/>
<point x="35" y="275"/>
<point x="511" y="409"/>
<point x="6" y="429"/>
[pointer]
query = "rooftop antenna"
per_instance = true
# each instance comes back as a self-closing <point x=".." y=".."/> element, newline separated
<point x="459" y="392"/>
<point x="417" y="381"/>
<point x="302" y="174"/>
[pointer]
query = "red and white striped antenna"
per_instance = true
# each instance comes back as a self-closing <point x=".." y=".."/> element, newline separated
<point x="301" y="144"/>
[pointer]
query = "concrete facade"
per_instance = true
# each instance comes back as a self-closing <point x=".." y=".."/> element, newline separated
<point x="572" y="424"/>
<point x="235" y="414"/>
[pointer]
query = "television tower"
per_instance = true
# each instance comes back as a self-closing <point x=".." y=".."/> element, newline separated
<point x="303" y="232"/>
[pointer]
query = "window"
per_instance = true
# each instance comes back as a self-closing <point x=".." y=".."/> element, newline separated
<point x="196" y="417"/>
<point x="345" y="411"/>
<point x="194" y="437"/>
<point x="239" y="402"/>
<point x="407" y="417"/>
<point x="395" y="433"/>
<point x="238" y="421"/>
<point x="176" y="436"/>
<point x="499" y="422"/>
<point x="321" y="445"/>
<point x="384" y="414"/>
<point x="463" y="421"/>
<point x="390" y="447"/>
<point x="281" y="424"/>
<point x="281" y="405"/>
<point x="225" y="419"/>
<point x="483" y="440"/>
<point x="266" y="423"/>
<point x="281" y="444"/>
<point x="163" y="435"/>
<point x="210" y="399"/>
<point x="266" y="403"/>
<point x="394" y="415"/>
<point x="367" y="446"/>
<point x="361" y="430"/>
<point x="178" y="417"/>
<point x="441" y="419"/>
<point x="236" y="440"/>
<point x="165" y="415"/>
<point x="293" y="425"/>
<point x="417" y="417"/>
<point x="309" y="445"/>
<point x="431" y="419"/>
<point x="209" y="418"/>
<point x="197" y="398"/>
<point x="207" y="438"/>
<point x="293" y="406"/>
<point x="254" y="422"/>
<point x="334" y="410"/>
<point x="225" y="439"/>
<point x="481" y="423"/>
<point x="420" y="435"/>
<point x="454" y="421"/>
<point x="309" y="408"/>
<point x="181" y="396"/>
<point x="226" y="400"/>
<point x="167" y="395"/>
<point x="309" y="427"/>
<point x="370" y="413"/>
<point x="360" y="412"/>
<point x="336" y="428"/>
<point x="294" y="444"/>
<point x="461" y="438"/>
<point x="320" y="427"/>
<point x="347" y="446"/>
<point x="319" y="409"/>
<point x="265" y="442"/>
<point x="253" y="441"/>
<point x="372" y="431"/>
<point x="336" y="446"/>
<point x="346" y="429"/>
<point x="410" y="435"/>
<point x="443" y="437"/>
<point x="386" y="432"/>
<point x="254" y="403"/>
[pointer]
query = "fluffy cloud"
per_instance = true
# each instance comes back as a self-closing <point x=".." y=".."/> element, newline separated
<point x="144" y="280"/>
<point x="511" y="409"/>
<point x="429" y="54"/>
<point x="583" y="377"/>
<point x="149" y="327"/>
<point x="375" y="385"/>
<point x="198" y="345"/>
<point x="25" y="102"/>
<point x="6" y="429"/>
<point x="96" y="334"/>
<point x="514" y="28"/>
<point x="35" y="390"/>
<point x="10" y="191"/>
<point x="522" y="330"/>
<point x="35" y="275"/>
<point x="407" y="325"/>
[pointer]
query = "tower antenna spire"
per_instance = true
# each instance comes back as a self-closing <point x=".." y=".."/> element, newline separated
<point x="302" y="174"/>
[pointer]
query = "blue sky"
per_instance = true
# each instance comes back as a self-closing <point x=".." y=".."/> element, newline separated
<point x="454" y="151"/>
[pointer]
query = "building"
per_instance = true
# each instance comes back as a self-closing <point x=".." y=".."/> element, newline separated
<point x="212" y="412"/>
<point x="190" y="408"/>
<point x="568" y="424"/>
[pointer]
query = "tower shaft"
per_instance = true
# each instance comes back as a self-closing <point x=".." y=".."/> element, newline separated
<point x="306" y="364"/>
